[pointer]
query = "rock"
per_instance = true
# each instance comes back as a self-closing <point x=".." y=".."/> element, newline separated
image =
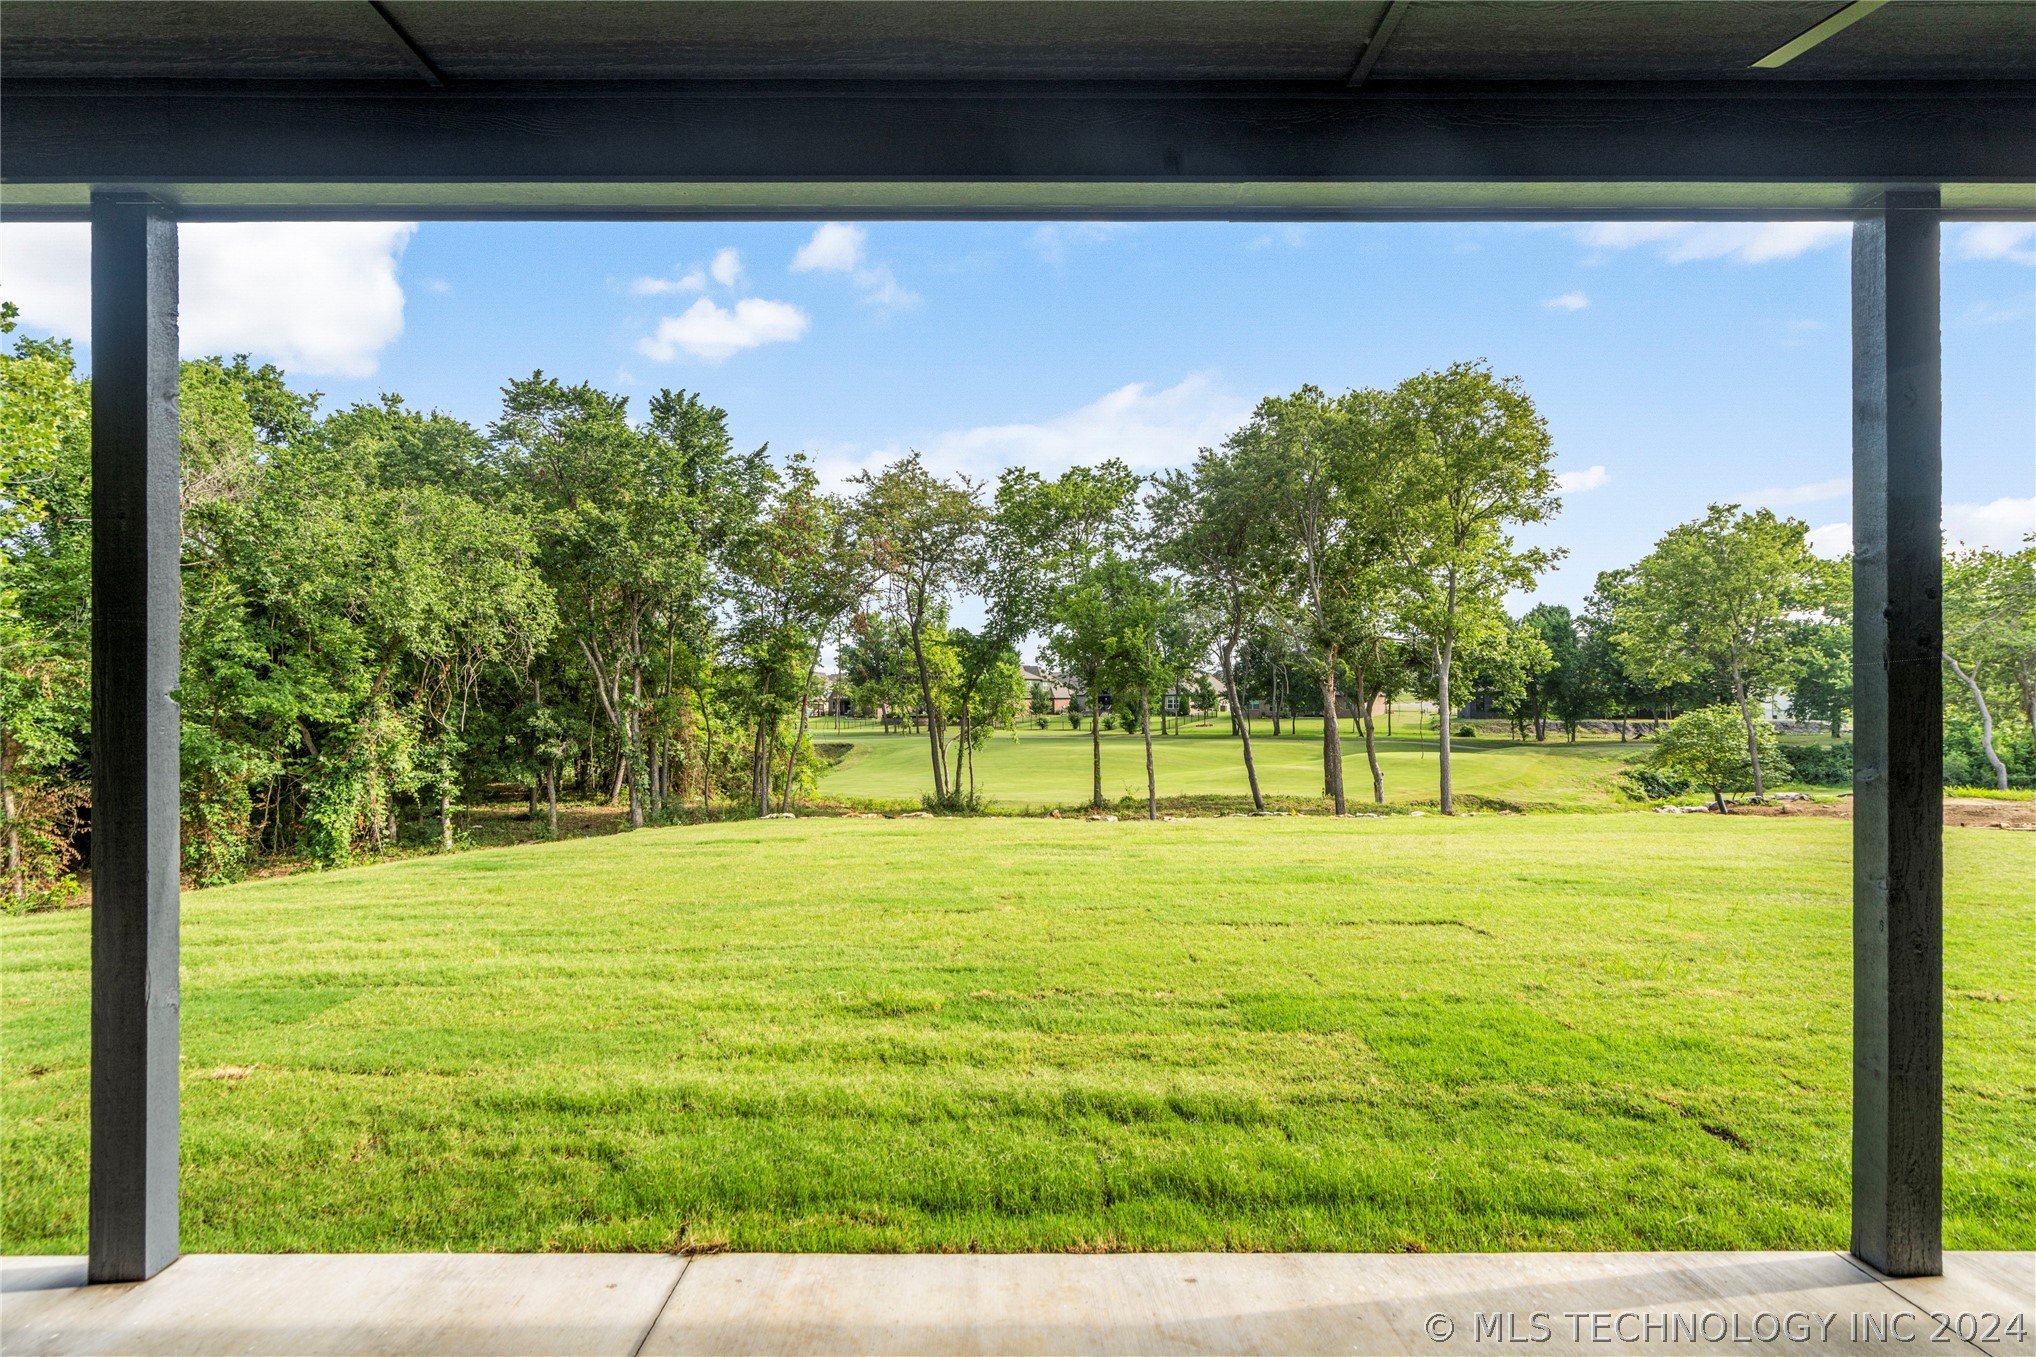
<point x="1416" y="812"/>
<point x="1053" y="814"/>
<point x="1790" y="796"/>
<point x="1099" y="819"/>
<point x="778" y="815"/>
<point x="916" y="815"/>
<point x="1173" y="819"/>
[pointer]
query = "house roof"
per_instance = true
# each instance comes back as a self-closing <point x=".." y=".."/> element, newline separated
<point x="1014" y="107"/>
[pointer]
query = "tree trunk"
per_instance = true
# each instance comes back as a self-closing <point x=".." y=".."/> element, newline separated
<point x="792" y="759"/>
<point x="1243" y="723"/>
<point x="531" y="814"/>
<point x="1752" y="743"/>
<point x="1095" y="745"/>
<point x="1145" y="727"/>
<point x="706" y="758"/>
<point x="444" y="818"/>
<point x="17" y="881"/>
<point x="1371" y="749"/>
<point x="1332" y="739"/>
<point x="551" y="801"/>
<point x="926" y="697"/>
<point x="1986" y="719"/>
<point x="1444" y="720"/>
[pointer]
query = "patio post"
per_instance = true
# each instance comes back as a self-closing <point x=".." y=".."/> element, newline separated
<point x="136" y="540"/>
<point x="1898" y="739"/>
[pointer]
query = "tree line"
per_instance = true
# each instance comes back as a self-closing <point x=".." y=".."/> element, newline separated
<point x="389" y="613"/>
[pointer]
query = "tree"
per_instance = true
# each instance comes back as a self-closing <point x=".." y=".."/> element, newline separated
<point x="1214" y="524"/>
<point x="1472" y="458"/>
<point x="1560" y="685"/>
<point x="45" y="637"/>
<point x="1094" y="623"/>
<point x="1722" y="594"/>
<point x="984" y="691"/>
<point x="1160" y="637"/>
<point x="626" y="517"/>
<point x="1057" y="567"/>
<point x="925" y="536"/>
<point x="1990" y="620"/>
<point x="876" y="659"/>
<point x="1708" y="747"/>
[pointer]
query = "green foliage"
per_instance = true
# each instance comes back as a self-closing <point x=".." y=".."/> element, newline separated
<point x="1708" y="749"/>
<point x="1821" y="765"/>
<point x="1723" y="597"/>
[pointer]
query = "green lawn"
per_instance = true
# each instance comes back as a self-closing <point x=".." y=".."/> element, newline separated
<point x="1609" y="1031"/>
<point x="1051" y="767"/>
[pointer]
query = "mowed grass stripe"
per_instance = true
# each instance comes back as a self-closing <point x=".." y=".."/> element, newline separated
<point x="1618" y="1031"/>
<point x="1052" y="767"/>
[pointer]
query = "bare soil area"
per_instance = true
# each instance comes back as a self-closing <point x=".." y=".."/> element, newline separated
<point x="1973" y="812"/>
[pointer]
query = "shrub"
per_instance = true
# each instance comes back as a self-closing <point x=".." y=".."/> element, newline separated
<point x="47" y="817"/>
<point x="1822" y="765"/>
<point x="1466" y="732"/>
<point x="1648" y="783"/>
<point x="1708" y="749"/>
<point x="1965" y="760"/>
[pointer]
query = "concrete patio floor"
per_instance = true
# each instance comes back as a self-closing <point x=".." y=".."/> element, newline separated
<point x="646" y="1304"/>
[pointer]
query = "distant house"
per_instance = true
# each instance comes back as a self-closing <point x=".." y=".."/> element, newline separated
<point x="1043" y="682"/>
<point x="836" y="701"/>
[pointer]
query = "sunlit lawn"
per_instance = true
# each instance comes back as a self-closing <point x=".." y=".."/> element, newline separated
<point x="1611" y="1031"/>
<point x="1051" y="767"/>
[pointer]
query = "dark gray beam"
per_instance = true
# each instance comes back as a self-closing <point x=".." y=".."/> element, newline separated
<point x="136" y="541"/>
<point x="417" y="56"/>
<point x="171" y="132"/>
<point x="1375" y="45"/>
<point x="1898" y="741"/>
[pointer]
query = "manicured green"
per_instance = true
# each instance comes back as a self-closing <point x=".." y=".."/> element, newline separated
<point x="1051" y="767"/>
<point x="1608" y="1031"/>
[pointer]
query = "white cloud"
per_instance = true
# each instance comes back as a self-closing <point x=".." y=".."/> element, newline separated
<point x="1576" y="482"/>
<point x="1052" y="241"/>
<point x="1815" y="492"/>
<point x="47" y="272"/>
<point x="692" y="280"/>
<point x="835" y="247"/>
<point x="838" y="247"/>
<point x="2001" y="523"/>
<point x="1147" y="428"/>
<point x="1831" y="541"/>
<point x="1568" y="301"/>
<point x="1751" y="242"/>
<point x="1292" y="236"/>
<point x="2010" y="240"/>
<point x="316" y="297"/>
<point x="710" y="332"/>
<point x="727" y="266"/>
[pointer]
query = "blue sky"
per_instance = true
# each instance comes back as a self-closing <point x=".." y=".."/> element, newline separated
<point x="1676" y="365"/>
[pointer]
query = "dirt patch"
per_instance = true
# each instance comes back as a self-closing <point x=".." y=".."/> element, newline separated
<point x="1971" y="812"/>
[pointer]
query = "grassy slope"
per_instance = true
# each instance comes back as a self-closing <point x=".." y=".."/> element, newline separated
<point x="1051" y="767"/>
<point x="1600" y="1031"/>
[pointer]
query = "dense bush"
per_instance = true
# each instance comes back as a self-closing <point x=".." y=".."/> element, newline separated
<point x="1648" y="783"/>
<point x="1822" y="765"/>
<point x="1965" y="761"/>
